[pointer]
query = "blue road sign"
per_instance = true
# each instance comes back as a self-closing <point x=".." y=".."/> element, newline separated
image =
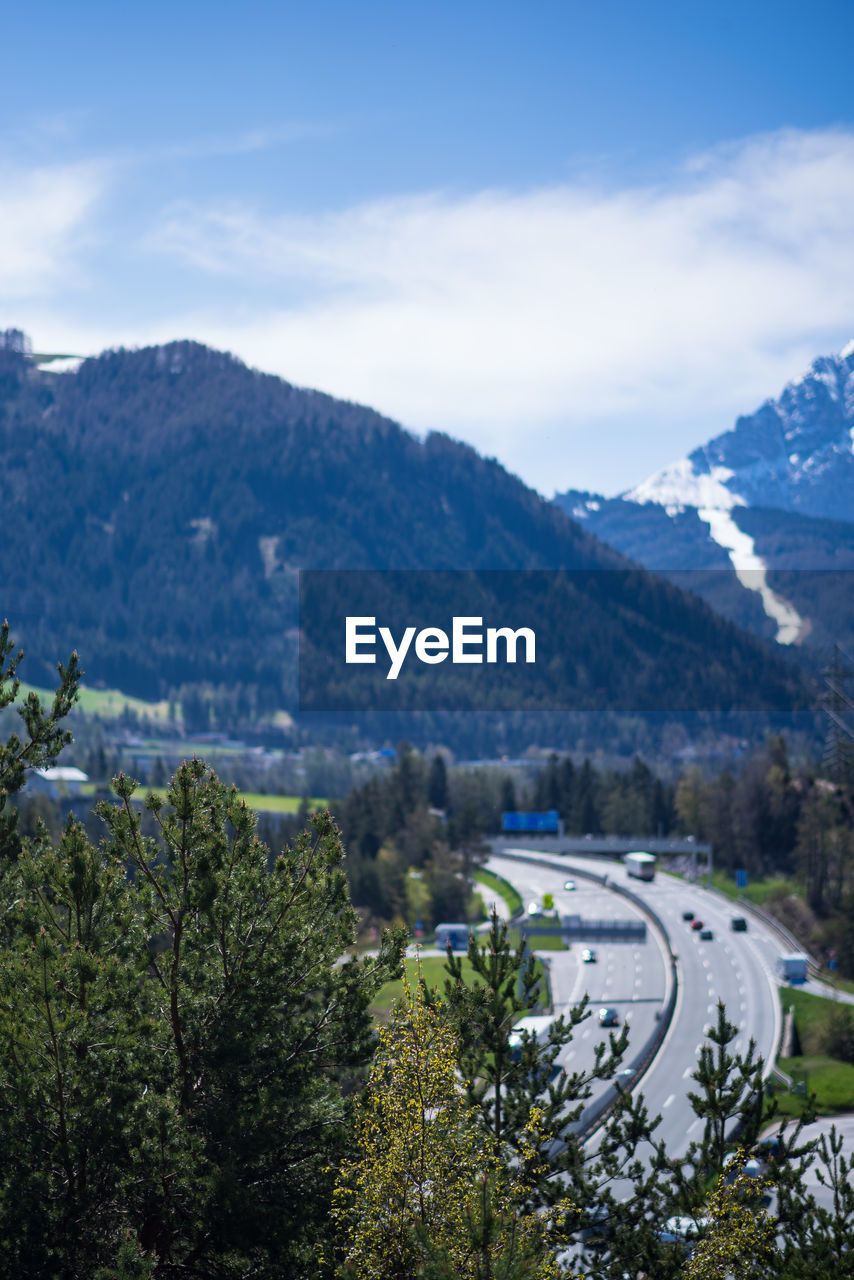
<point x="548" y="821"/>
<point x="741" y="879"/>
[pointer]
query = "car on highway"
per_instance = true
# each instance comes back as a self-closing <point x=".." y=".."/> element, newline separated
<point x="752" y="1168"/>
<point x="687" y="915"/>
<point x="597" y="1222"/>
<point x="534" y="909"/>
<point x="738" y="924"/>
<point x="706" y="935"/>
<point x="588" y="955"/>
<point x="682" y="1230"/>
<point x="772" y="1148"/>
<point x="569" y="885"/>
<point x="608" y="1017"/>
<point x="696" y="924"/>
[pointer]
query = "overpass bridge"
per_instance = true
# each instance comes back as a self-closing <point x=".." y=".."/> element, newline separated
<point x="604" y="846"/>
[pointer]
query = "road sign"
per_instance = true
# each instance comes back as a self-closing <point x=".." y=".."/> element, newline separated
<point x="548" y="821"/>
<point x="741" y="879"/>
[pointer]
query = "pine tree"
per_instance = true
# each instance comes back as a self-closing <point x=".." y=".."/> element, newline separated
<point x="437" y="784"/>
<point x="732" y="1092"/>
<point x="82" y="1107"/>
<point x="178" y="1030"/>
<point x="818" y="1240"/>
<point x="44" y="737"/>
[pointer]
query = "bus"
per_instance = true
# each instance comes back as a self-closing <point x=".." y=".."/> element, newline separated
<point x="640" y="865"/>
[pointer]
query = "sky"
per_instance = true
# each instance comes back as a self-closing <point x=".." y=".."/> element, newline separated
<point x="582" y="237"/>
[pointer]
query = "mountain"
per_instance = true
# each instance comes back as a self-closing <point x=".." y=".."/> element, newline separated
<point x="770" y="503"/>
<point x="158" y="503"/>
<point x="793" y="453"/>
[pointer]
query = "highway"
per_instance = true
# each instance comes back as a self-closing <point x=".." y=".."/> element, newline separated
<point x="737" y="968"/>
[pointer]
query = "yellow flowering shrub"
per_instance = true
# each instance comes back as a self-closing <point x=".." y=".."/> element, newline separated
<point x="426" y="1194"/>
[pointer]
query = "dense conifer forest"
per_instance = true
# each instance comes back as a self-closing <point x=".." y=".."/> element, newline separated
<point x="159" y="503"/>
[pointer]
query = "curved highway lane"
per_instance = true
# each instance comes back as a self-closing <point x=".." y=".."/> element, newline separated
<point x="734" y="967"/>
<point x="630" y="977"/>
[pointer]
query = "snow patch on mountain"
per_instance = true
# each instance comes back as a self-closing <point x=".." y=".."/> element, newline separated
<point x="679" y="486"/>
<point x="751" y="572"/>
<point x="60" y="364"/>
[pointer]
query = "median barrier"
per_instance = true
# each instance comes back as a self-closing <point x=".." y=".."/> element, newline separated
<point x="595" y="1113"/>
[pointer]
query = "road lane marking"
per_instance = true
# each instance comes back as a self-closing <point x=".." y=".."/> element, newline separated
<point x="687" y="1072"/>
<point x="669" y="1100"/>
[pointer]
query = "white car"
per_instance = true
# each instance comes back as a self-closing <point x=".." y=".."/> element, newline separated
<point x="534" y="909"/>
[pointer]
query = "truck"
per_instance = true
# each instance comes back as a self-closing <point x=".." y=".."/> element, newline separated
<point x="793" y="967"/>
<point x="457" y="935"/>
<point x="640" y="865"/>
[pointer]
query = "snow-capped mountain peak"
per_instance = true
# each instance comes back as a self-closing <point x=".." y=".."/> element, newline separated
<point x="794" y="453"/>
<point x="793" y="459"/>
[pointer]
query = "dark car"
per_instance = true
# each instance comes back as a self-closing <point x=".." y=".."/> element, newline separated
<point x="771" y="1148"/>
<point x="608" y="1017"/>
<point x="687" y="915"/>
<point x="596" y="1222"/>
<point x="706" y="935"/>
<point x="696" y="924"/>
<point x="738" y="924"/>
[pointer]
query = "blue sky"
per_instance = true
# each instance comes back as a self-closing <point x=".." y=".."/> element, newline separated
<point x="583" y="237"/>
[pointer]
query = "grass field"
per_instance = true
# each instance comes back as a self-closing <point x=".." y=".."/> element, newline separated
<point x="432" y="970"/>
<point x="260" y="803"/>
<point x="759" y="892"/>
<point x="811" y="1016"/>
<point x="434" y="973"/>
<point x="537" y="941"/>
<point x="497" y="884"/>
<point x="832" y="1081"/>
<point x="110" y="704"/>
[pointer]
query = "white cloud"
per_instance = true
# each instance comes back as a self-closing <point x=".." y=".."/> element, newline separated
<point x="488" y="314"/>
<point x="44" y="219"/>
<point x="582" y="333"/>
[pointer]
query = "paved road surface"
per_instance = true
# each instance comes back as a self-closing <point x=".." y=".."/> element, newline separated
<point x="735" y="967"/>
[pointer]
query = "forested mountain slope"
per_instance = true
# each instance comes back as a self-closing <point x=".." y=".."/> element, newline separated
<point x="157" y="505"/>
